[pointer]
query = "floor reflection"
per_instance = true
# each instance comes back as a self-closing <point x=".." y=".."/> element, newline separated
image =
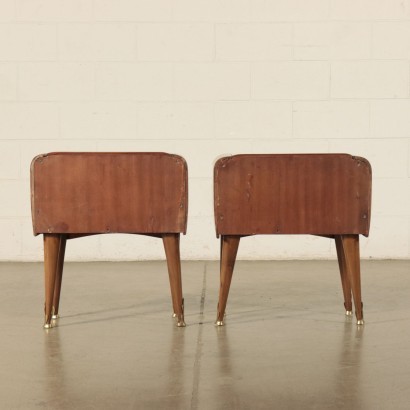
<point x="347" y="379"/>
<point x="55" y="375"/>
<point x="176" y="390"/>
<point x="226" y="395"/>
<point x="293" y="372"/>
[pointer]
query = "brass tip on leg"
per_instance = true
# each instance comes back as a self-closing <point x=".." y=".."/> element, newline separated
<point x="219" y="323"/>
<point x="180" y="317"/>
<point x="360" y="322"/>
<point x="47" y="322"/>
<point x="55" y="317"/>
<point x="180" y="320"/>
<point x="349" y="313"/>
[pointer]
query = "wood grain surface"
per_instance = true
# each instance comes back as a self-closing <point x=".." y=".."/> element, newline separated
<point x="320" y="194"/>
<point x="90" y="193"/>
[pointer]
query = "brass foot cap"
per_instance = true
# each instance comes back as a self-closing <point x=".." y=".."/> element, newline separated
<point x="48" y="326"/>
<point x="181" y="323"/>
<point x="174" y="315"/>
<point x="349" y="313"/>
<point x="360" y="322"/>
<point x="55" y="317"/>
<point x="219" y="323"/>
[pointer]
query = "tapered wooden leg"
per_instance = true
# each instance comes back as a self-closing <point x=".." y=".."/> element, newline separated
<point x="171" y="245"/>
<point x="347" y="289"/>
<point x="229" y="249"/>
<point x="51" y="248"/>
<point x="350" y="246"/>
<point x="59" y="276"/>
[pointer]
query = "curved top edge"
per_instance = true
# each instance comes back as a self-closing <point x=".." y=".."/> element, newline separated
<point x="86" y="153"/>
<point x="105" y="153"/>
<point x="364" y="161"/>
<point x="35" y="159"/>
<point x="220" y="160"/>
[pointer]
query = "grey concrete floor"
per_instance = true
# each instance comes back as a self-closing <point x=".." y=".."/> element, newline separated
<point x="286" y="343"/>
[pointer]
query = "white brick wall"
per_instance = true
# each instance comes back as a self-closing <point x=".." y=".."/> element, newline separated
<point x="205" y="78"/>
<point x="369" y="10"/>
<point x="370" y="79"/>
<point x="54" y="10"/>
<point x="97" y="41"/>
<point x="175" y="42"/>
<point x="29" y="120"/>
<point x="56" y="81"/>
<point x="253" y="42"/>
<point x="212" y="81"/>
<point x="391" y="40"/>
<point x="331" y="119"/>
<point x="295" y="80"/>
<point x="8" y="81"/>
<point x="332" y="41"/>
<point x="28" y="42"/>
<point x="134" y="81"/>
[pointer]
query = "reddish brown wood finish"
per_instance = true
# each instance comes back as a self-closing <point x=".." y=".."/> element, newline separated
<point x="51" y="250"/>
<point x="59" y="274"/>
<point x="320" y="194"/>
<point x="351" y="252"/>
<point x="80" y="194"/>
<point x="229" y="249"/>
<point x="347" y="289"/>
<point x="171" y="246"/>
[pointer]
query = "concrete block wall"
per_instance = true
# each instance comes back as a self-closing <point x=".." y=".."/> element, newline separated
<point x="205" y="78"/>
